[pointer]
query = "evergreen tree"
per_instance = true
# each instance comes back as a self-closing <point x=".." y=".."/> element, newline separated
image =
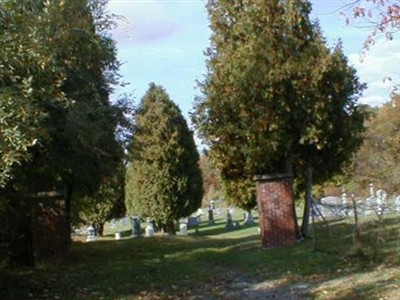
<point x="107" y="203"/>
<point x="55" y="113"/>
<point x="241" y="192"/>
<point x="336" y="124"/>
<point x="163" y="177"/>
<point x="262" y="56"/>
<point x="272" y="82"/>
<point x="211" y="180"/>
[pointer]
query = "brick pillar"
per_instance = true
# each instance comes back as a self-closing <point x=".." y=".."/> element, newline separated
<point x="276" y="210"/>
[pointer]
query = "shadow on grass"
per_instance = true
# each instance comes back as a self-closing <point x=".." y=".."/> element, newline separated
<point x="169" y="266"/>
<point x="220" y="228"/>
<point x="203" y="229"/>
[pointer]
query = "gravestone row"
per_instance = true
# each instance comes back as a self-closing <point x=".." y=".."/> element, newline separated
<point x="190" y="222"/>
<point x="376" y="203"/>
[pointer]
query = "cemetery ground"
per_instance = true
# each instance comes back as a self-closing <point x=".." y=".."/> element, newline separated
<point x="214" y="263"/>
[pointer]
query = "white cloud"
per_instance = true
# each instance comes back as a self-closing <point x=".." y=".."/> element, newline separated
<point x="144" y="21"/>
<point x="381" y="84"/>
<point x="375" y="67"/>
<point x="373" y="100"/>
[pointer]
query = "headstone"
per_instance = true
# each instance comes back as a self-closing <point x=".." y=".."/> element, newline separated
<point x="325" y="210"/>
<point x="330" y="200"/>
<point x="91" y="234"/>
<point x="397" y="203"/>
<point x="118" y="235"/>
<point x="136" y="228"/>
<point x="332" y="206"/>
<point x="200" y="212"/>
<point x="343" y="197"/>
<point x="149" y="228"/>
<point x="229" y="221"/>
<point x="370" y="202"/>
<point x="211" y="217"/>
<point x="112" y="224"/>
<point x="212" y="204"/>
<point x="248" y="218"/>
<point x="381" y="204"/>
<point x="192" y="222"/>
<point x="183" y="229"/>
<point x="371" y="190"/>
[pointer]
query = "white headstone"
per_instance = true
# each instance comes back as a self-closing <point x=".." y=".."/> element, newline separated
<point x="183" y="229"/>
<point x="91" y="234"/>
<point x="381" y="200"/>
<point x="112" y="224"/>
<point x="149" y="228"/>
<point x="344" y="198"/>
<point x="397" y="203"/>
<point x="371" y="190"/>
<point x="330" y="200"/>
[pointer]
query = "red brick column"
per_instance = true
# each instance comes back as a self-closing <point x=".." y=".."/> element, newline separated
<point x="276" y="210"/>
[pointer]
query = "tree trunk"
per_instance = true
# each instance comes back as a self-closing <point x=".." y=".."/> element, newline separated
<point x="170" y="228"/>
<point x="357" y="231"/>
<point x="289" y="170"/>
<point x="68" y="199"/>
<point x="100" y="229"/>
<point x="307" y="203"/>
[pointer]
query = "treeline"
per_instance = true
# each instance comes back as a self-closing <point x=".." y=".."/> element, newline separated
<point x="58" y="126"/>
<point x="378" y="159"/>
<point x="66" y="147"/>
<point x="275" y="99"/>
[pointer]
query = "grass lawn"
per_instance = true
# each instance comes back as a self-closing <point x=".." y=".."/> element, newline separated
<point x="216" y="264"/>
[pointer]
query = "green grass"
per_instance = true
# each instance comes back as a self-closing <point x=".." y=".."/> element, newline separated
<point x="163" y="267"/>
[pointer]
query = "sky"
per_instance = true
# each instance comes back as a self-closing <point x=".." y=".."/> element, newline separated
<point x="163" y="41"/>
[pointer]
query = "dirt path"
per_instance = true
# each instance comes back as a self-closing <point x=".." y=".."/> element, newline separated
<point x="231" y="285"/>
<point x="248" y="290"/>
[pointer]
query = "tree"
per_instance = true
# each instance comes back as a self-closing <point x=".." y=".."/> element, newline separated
<point x="63" y="83"/>
<point x="258" y="51"/>
<point x="271" y="84"/>
<point x="241" y="192"/>
<point x="28" y="77"/>
<point x="107" y="203"/>
<point x="63" y="75"/>
<point x="80" y="147"/>
<point x="339" y="123"/>
<point x="378" y="159"/>
<point x="163" y="177"/>
<point x="211" y="180"/>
